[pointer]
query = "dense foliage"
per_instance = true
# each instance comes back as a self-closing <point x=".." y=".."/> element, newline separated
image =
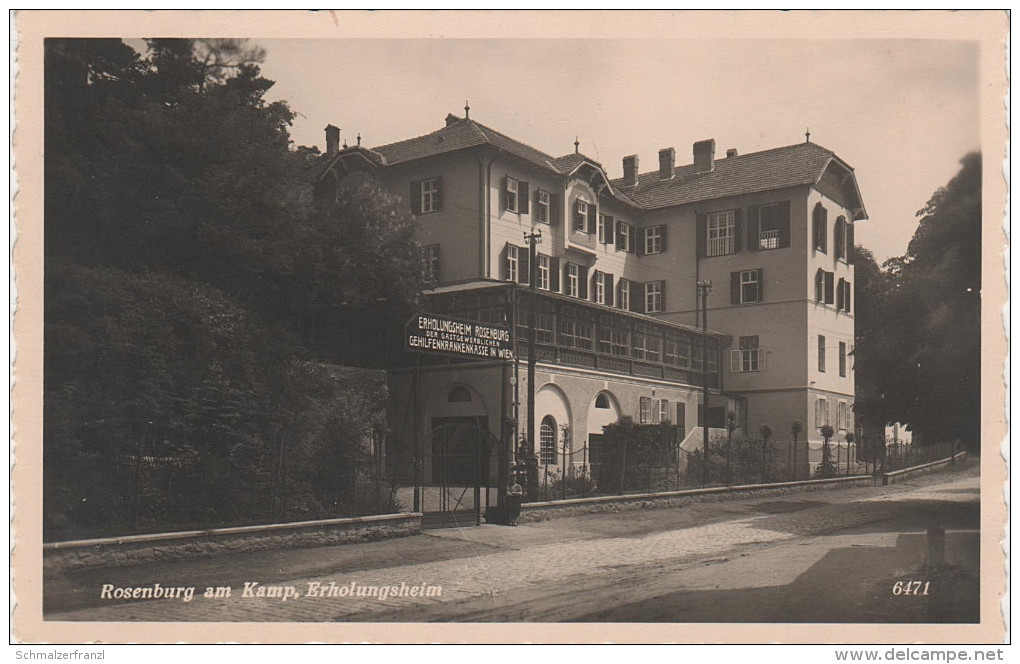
<point x="918" y="321"/>
<point x="198" y="302"/>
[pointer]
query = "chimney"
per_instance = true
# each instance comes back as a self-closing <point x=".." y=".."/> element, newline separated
<point x="704" y="156"/>
<point x="630" y="170"/>
<point x="332" y="140"/>
<point x="667" y="163"/>
<point x="451" y="119"/>
<point x="731" y="153"/>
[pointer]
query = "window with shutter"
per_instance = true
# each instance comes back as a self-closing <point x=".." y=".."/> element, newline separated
<point x="510" y="263"/>
<point x="645" y="414"/>
<point x="820" y="285"/>
<point x="623" y="294"/>
<point x="581" y="216"/>
<point x="840" y="294"/>
<point x="653" y="240"/>
<point x="511" y="194"/>
<point x="839" y="238"/>
<point x="544" y="279"/>
<point x="820" y="227"/>
<point x="573" y="280"/>
<point x="722" y="233"/>
<point x="431" y="195"/>
<point x="771" y="229"/>
<point x="654" y="297"/>
<point x="542" y="207"/>
<point x="830" y="285"/>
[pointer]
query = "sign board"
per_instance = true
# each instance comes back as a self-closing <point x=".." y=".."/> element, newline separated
<point x="429" y="333"/>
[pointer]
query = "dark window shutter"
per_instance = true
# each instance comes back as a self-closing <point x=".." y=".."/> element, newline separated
<point x="610" y="229"/>
<point x="639" y="242"/>
<point x="761" y="285"/>
<point x="439" y="193"/>
<point x="523" y="196"/>
<point x="819" y="285"/>
<point x="609" y="290"/>
<point x="839" y="238"/>
<point x="662" y="290"/>
<point x="783" y="223"/>
<point x="554" y="275"/>
<point x="416" y="197"/>
<point x="846" y="297"/>
<point x="593" y="287"/>
<point x="701" y="235"/>
<point x="582" y="282"/>
<point x="575" y="214"/>
<point x="734" y="288"/>
<point x="554" y="208"/>
<point x="850" y="243"/>
<point x="663" y="233"/>
<point x="840" y="293"/>
<point x="523" y="266"/>
<point x="829" y="287"/>
<point x="632" y="238"/>
<point x="753" y="227"/>
<point x="637" y="297"/>
<point x="593" y="218"/>
<point x="738" y="230"/>
<point x="502" y="193"/>
<point x="821" y="228"/>
<point x="504" y="260"/>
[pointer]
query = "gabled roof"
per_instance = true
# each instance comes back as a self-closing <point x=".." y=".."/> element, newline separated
<point x="778" y="168"/>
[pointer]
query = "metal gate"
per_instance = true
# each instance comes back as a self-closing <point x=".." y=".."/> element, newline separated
<point x="459" y="473"/>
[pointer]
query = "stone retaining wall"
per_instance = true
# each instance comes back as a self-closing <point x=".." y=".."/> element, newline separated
<point x="923" y="469"/>
<point x="573" y="507"/>
<point x="137" y="549"/>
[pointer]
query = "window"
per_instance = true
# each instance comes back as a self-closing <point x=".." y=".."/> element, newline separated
<point x="430" y="195"/>
<point x="512" y="194"/>
<point x="842" y="423"/>
<point x="624" y="233"/>
<point x="583" y="212"/>
<point x="606" y="225"/>
<point x="543" y="272"/>
<point x="602" y="401"/>
<point x="512" y="263"/>
<point x="654" y="301"/>
<point x="458" y="394"/>
<point x="722" y="233"/>
<point x="645" y="414"/>
<point x="746" y="286"/>
<point x="749" y="357"/>
<point x="573" y="280"/>
<point x="600" y="287"/>
<point x="821" y="353"/>
<point x="647" y="346"/>
<point x="678" y="351"/>
<point x="544" y="328"/>
<point x="432" y="263"/>
<point x="821" y="413"/>
<point x="542" y="207"/>
<point x="843" y="293"/>
<point x="547" y="440"/>
<point x="842" y="359"/>
<point x="653" y="240"/>
<point x="839" y="238"/>
<point x="426" y="195"/>
<point x="769" y="226"/>
<point x="575" y="333"/>
<point x="820" y="222"/>
<point x="614" y="341"/>
<point x="623" y="294"/>
<point x="663" y="411"/>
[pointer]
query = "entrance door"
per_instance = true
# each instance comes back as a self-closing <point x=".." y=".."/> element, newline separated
<point x="461" y="452"/>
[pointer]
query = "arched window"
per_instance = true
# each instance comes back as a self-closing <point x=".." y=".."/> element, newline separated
<point x="602" y="401"/>
<point x="458" y="394"/>
<point x="547" y="440"/>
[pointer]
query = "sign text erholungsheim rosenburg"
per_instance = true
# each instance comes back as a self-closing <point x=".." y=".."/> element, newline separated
<point x="427" y="333"/>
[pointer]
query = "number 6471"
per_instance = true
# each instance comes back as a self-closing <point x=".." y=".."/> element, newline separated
<point x="910" y="588"/>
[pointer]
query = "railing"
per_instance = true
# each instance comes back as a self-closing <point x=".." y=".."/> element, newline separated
<point x="721" y="246"/>
<point x="768" y="240"/>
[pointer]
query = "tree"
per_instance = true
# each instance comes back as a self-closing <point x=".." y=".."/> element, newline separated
<point x="827" y="469"/>
<point x="917" y="354"/>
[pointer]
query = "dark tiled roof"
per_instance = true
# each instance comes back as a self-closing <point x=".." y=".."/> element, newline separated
<point x="788" y="166"/>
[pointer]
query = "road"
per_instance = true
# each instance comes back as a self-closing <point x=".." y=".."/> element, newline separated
<point x="817" y="556"/>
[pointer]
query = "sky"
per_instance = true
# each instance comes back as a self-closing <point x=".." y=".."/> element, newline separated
<point x="902" y="113"/>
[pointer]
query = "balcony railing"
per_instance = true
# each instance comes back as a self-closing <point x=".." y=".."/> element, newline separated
<point x="768" y="240"/>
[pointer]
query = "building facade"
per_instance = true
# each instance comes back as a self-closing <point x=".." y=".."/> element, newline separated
<point x="615" y="306"/>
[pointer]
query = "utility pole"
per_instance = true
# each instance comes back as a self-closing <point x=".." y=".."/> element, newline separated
<point x="704" y="288"/>
<point x="532" y="239"/>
